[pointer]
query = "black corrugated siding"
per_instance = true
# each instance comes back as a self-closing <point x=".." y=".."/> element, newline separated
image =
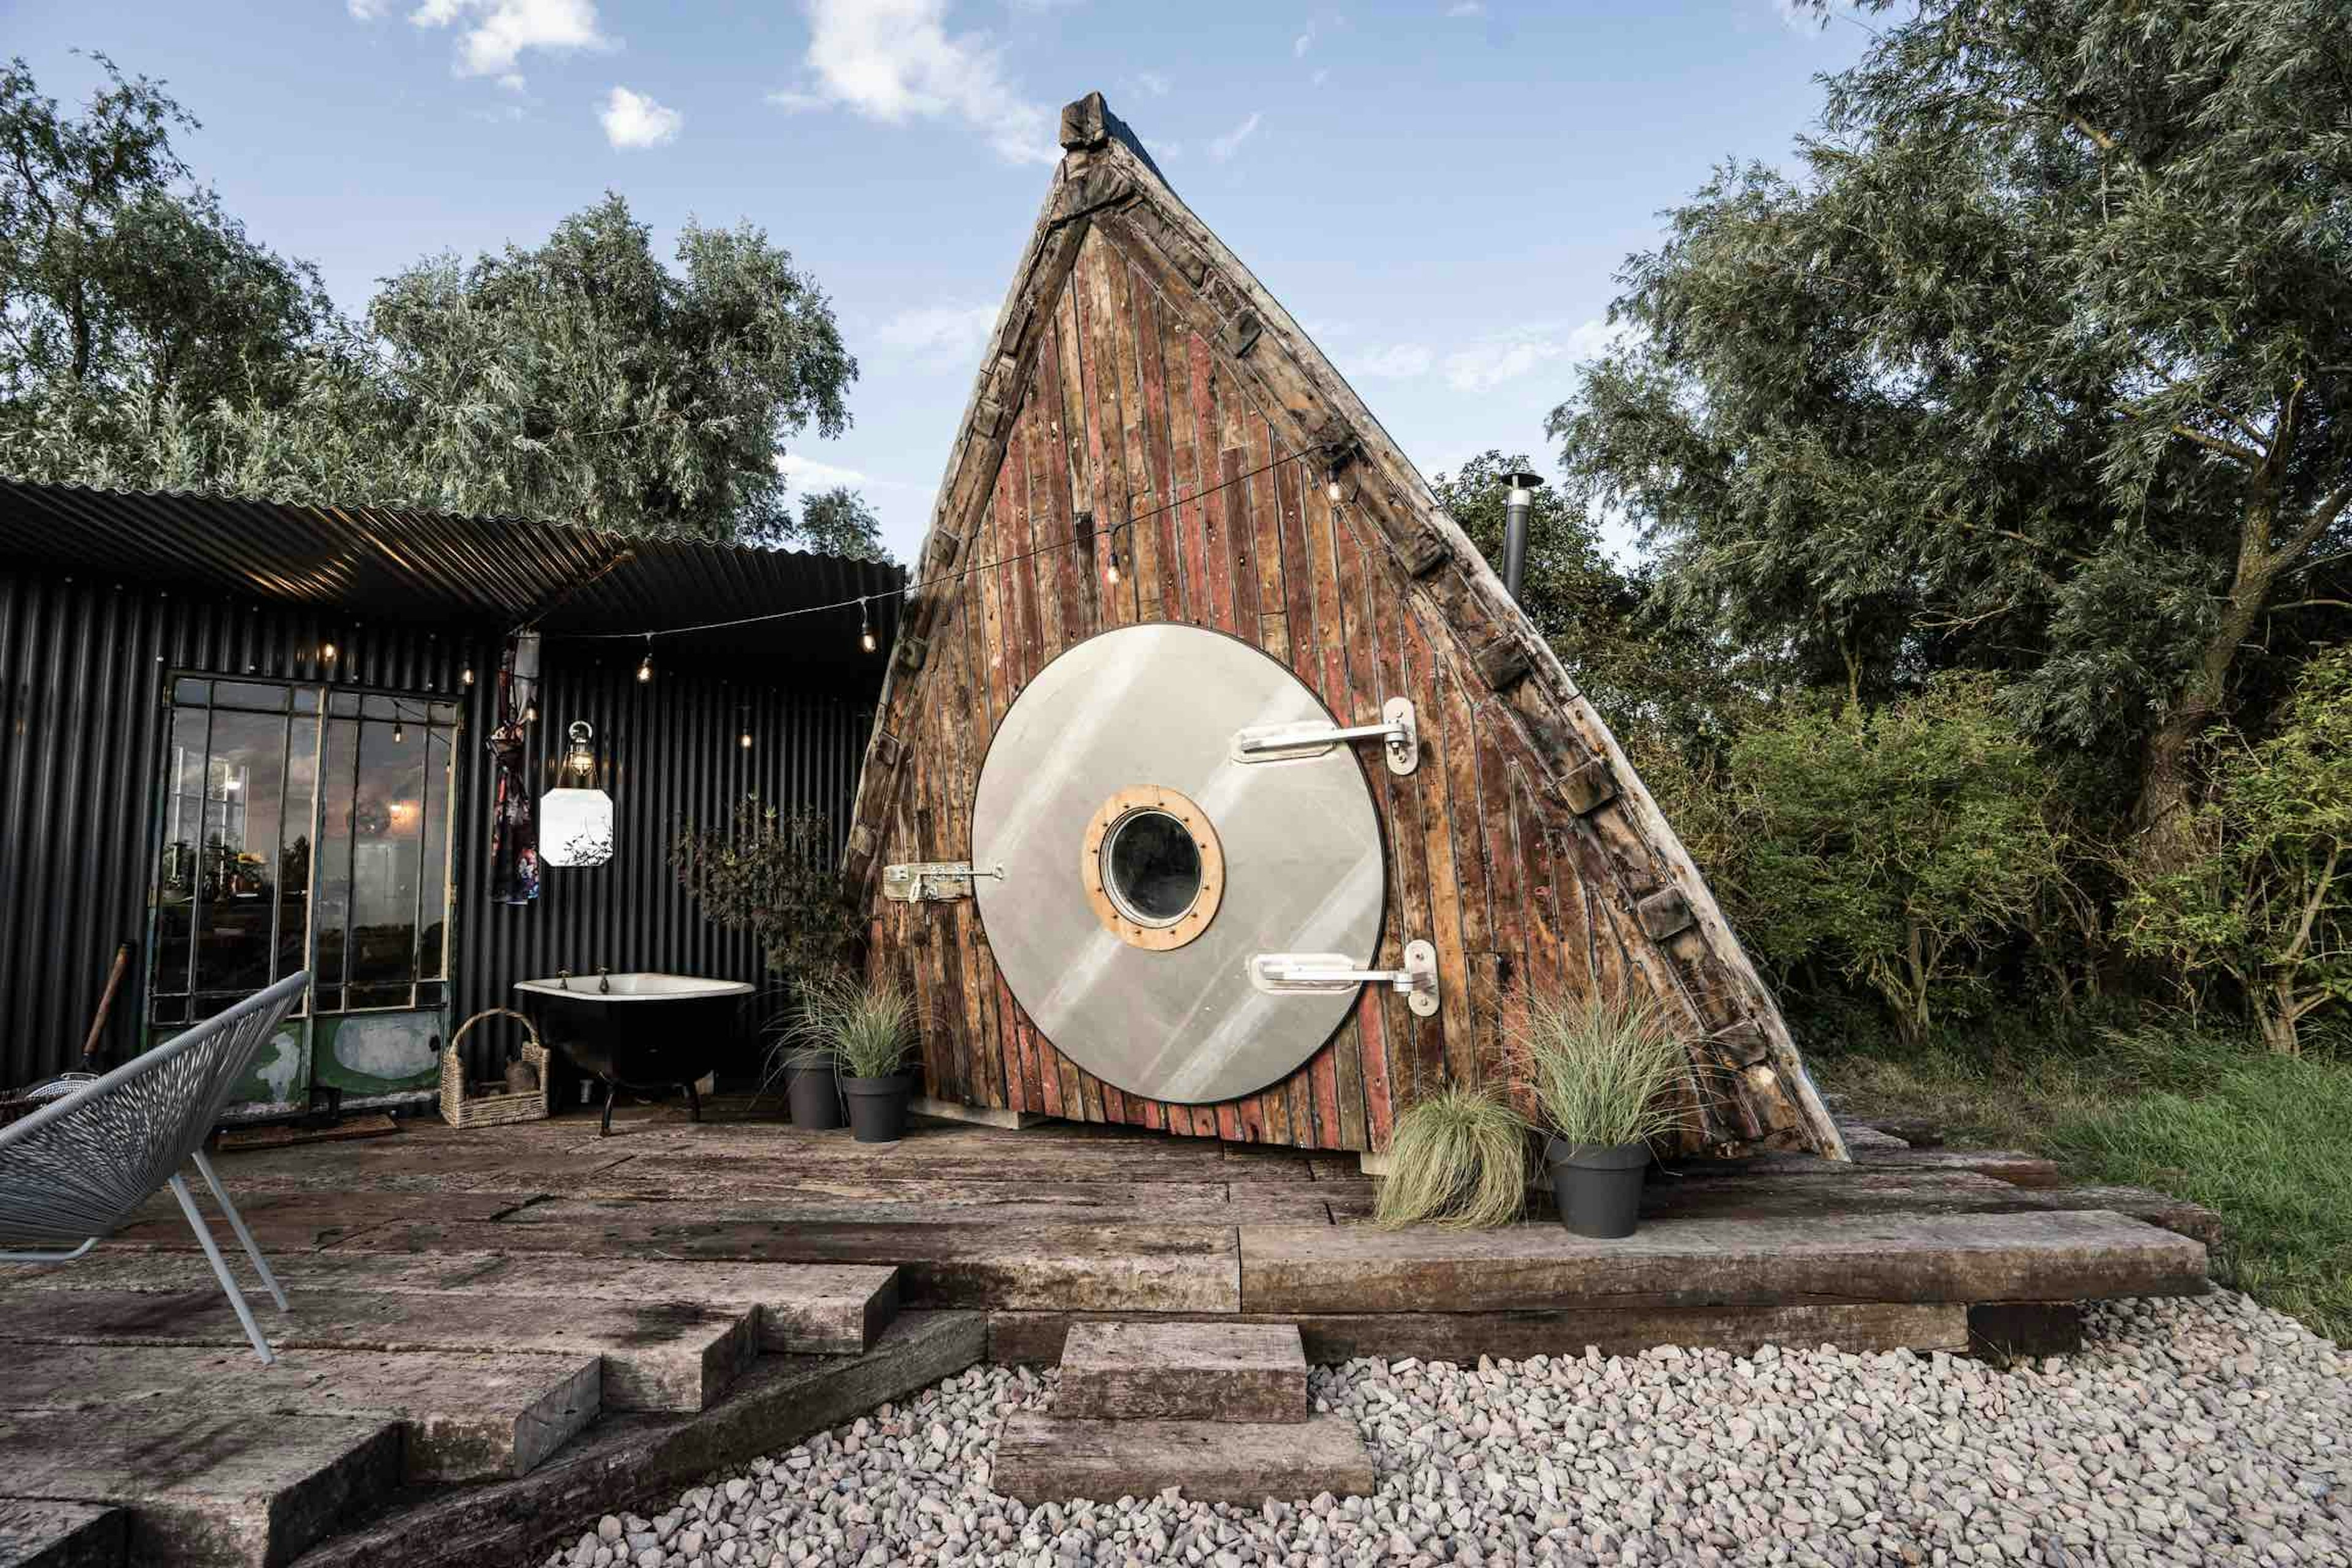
<point x="82" y="662"/>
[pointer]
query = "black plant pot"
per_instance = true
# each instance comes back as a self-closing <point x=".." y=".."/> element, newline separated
<point x="878" y="1107"/>
<point x="1598" y="1186"/>
<point x="812" y="1088"/>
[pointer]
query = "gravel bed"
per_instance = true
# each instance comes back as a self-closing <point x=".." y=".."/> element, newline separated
<point x="2205" y="1431"/>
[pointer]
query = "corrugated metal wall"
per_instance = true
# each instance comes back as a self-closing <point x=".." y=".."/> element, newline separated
<point x="82" y="662"/>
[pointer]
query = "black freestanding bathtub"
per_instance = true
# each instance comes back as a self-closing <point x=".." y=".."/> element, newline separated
<point x="636" y="1031"/>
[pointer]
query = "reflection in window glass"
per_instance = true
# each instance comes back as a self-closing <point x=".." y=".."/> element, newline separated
<point x="292" y="839"/>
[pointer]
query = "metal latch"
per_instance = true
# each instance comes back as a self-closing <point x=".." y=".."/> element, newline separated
<point x="1289" y="742"/>
<point x="931" y="881"/>
<point x="1321" y="973"/>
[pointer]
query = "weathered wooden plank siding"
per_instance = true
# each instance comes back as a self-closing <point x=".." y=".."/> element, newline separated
<point x="1130" y="426"/>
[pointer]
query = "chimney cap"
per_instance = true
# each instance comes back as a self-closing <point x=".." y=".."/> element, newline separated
<point x="1520" y="480"/>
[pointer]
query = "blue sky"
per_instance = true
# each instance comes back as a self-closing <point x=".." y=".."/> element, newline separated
<point x="1440" y="190"/>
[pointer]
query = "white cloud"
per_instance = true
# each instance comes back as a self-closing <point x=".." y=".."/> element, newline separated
<point x="940" y="334"/>
<point x="1322" y="75"/>
<point x="1225" y="146"/>
<point x="366" y="10"/>
<point x="1152" y="83"/>
<point x="1466" y="8"/>
<point x="633" y="120"/>
<point x="497" y="32"/>
<point x="511" y="82"/>
<point x="809" y="474"/>
<point x="1510" y="356"/>
<point x="893" y="61"/>
<point x="1304" y="42"/>
<point x="1398" y="361"/>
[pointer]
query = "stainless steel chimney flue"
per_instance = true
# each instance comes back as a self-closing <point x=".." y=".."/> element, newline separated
<point x="1517" y="508"/>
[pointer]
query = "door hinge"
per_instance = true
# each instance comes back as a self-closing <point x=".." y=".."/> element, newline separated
<point x="1398" y="730"/>
<point x="1321" y="973"/>
<point x="931" y="881"/>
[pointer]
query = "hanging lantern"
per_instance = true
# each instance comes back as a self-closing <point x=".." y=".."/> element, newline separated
<point x="576" y="820"/>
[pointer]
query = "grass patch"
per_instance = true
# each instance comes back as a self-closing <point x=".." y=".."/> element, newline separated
<point x="2266" y="1140"/>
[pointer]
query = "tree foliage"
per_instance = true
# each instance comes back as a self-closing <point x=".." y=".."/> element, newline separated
<point x="125" y="287"/>
<point x="1899" y="849"/>
<point x="2268" y="901"/>
<point x="151" y="344"/>
<point x="839" y="522"/>
<point x="2038" y="365"/>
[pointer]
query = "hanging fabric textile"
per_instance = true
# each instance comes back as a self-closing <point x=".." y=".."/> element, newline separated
<point x="514" y="840"/>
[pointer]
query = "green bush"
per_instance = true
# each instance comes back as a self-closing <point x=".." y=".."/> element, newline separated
<point x="1899" y="849"/>
<point x="2268" y="903"/>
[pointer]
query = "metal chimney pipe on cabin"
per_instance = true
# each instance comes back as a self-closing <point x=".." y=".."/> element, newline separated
<point x="1517" y="508"/>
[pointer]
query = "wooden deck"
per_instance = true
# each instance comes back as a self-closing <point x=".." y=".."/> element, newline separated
<point x="496" y="1334"/>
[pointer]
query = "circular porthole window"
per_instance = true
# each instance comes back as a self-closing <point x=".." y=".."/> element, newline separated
<point x="1152" y="867"/>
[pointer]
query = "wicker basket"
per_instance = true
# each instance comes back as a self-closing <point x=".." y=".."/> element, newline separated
<point x="491" y="1110"/>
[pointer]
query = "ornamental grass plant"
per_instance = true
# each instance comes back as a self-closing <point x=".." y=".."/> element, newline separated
<point x="866" y="1025"/>
<point x="1603" y="1070"/>
<point x="1457" y="1158"/>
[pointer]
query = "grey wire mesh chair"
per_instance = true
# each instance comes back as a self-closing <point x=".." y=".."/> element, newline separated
<point x="74" y="1171"/>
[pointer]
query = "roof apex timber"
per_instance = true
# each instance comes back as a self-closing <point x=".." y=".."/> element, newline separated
<point x="1107" y="179"/>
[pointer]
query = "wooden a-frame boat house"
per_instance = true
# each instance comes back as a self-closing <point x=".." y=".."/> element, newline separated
<point x="1218" y="785"/>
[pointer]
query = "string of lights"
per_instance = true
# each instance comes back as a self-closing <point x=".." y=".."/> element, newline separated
<point x="862" y="604"/>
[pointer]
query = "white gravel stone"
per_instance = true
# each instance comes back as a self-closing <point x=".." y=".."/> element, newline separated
<point x="2191" y="1432"/>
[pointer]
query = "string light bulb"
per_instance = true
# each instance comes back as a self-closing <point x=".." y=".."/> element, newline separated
<point x="530" y="713"/>
<point x="327" y="652"/>
<point x="645" y="665"/>
<point x="865" y="627"/>
<point x="399" y="732"/>
<point x="466" y="676"/>
<point x="1332" y="489"/>
<point x="1111" y="570"/>
<point x="745" y="739"/>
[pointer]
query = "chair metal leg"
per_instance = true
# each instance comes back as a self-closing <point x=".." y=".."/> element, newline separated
<point x="604" y="1128"/>
<point x="694" y="1102"/>
<point x="220" y="1270"/>
<point x="245" y="1237"/>
<point x="49" y="1256"/>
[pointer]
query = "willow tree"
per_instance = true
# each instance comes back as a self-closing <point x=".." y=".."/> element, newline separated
<point x="2038" y="363"/>
<point x="147" y="342"/>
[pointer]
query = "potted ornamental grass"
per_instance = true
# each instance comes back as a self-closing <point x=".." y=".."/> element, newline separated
<point x="853" y="1037"/>
<point x="1606" y="1077"/>
<point x="1458" y="1159"/>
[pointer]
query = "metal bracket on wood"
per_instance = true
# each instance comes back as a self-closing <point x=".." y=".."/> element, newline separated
<point x="1320" y="973"/>
<point x="931" y="881"/>
<point x="1241" y="332"/>
<point x="1289" y="742"/>
<point x="1664" y="913"/>
<point x="1590" y="787"/>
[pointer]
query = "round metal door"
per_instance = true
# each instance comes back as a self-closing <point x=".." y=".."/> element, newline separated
<point x="1144" y="866"/>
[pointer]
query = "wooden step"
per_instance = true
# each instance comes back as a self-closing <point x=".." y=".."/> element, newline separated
<point x="1038" y="1338"/>
<point x="1139" y="1267"/>
<point x="62" y="1535"/>
<point x="2025" y="1257"/>
<point x="203" y="1490"/>
<point x="657" y="1355"/>
<point x="644" y="1462"/>
<point x="804" y="1308"/>
<point x="1042" y="1458"/>
<point x="468" y="1418"/>
<point x="1182" y="1372"/>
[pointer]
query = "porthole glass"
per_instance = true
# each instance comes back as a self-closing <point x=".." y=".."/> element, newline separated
<point x="1152" y="868"/>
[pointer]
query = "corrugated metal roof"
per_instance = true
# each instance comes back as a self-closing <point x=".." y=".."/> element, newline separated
<point x="393" y="563"/>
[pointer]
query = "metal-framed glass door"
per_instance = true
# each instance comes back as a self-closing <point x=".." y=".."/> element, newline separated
<point x="306" y="826"/>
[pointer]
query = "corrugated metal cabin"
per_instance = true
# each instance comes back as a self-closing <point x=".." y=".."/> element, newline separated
<point x="185" y="769"/>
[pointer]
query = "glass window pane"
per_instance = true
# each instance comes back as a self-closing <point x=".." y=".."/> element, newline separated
<point x="185" y="690"/>
<point x="306" y="699"/>
<point x="433" y="856"/>
<point x="294" y="848"/>
<point x="387" y="850"/>
<point x="269" y="697"/>
<point x="245" y="784"/>
<point x="343" y="704"/>
<point x="177" y="877"/>
<point x="331" y="883"/>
